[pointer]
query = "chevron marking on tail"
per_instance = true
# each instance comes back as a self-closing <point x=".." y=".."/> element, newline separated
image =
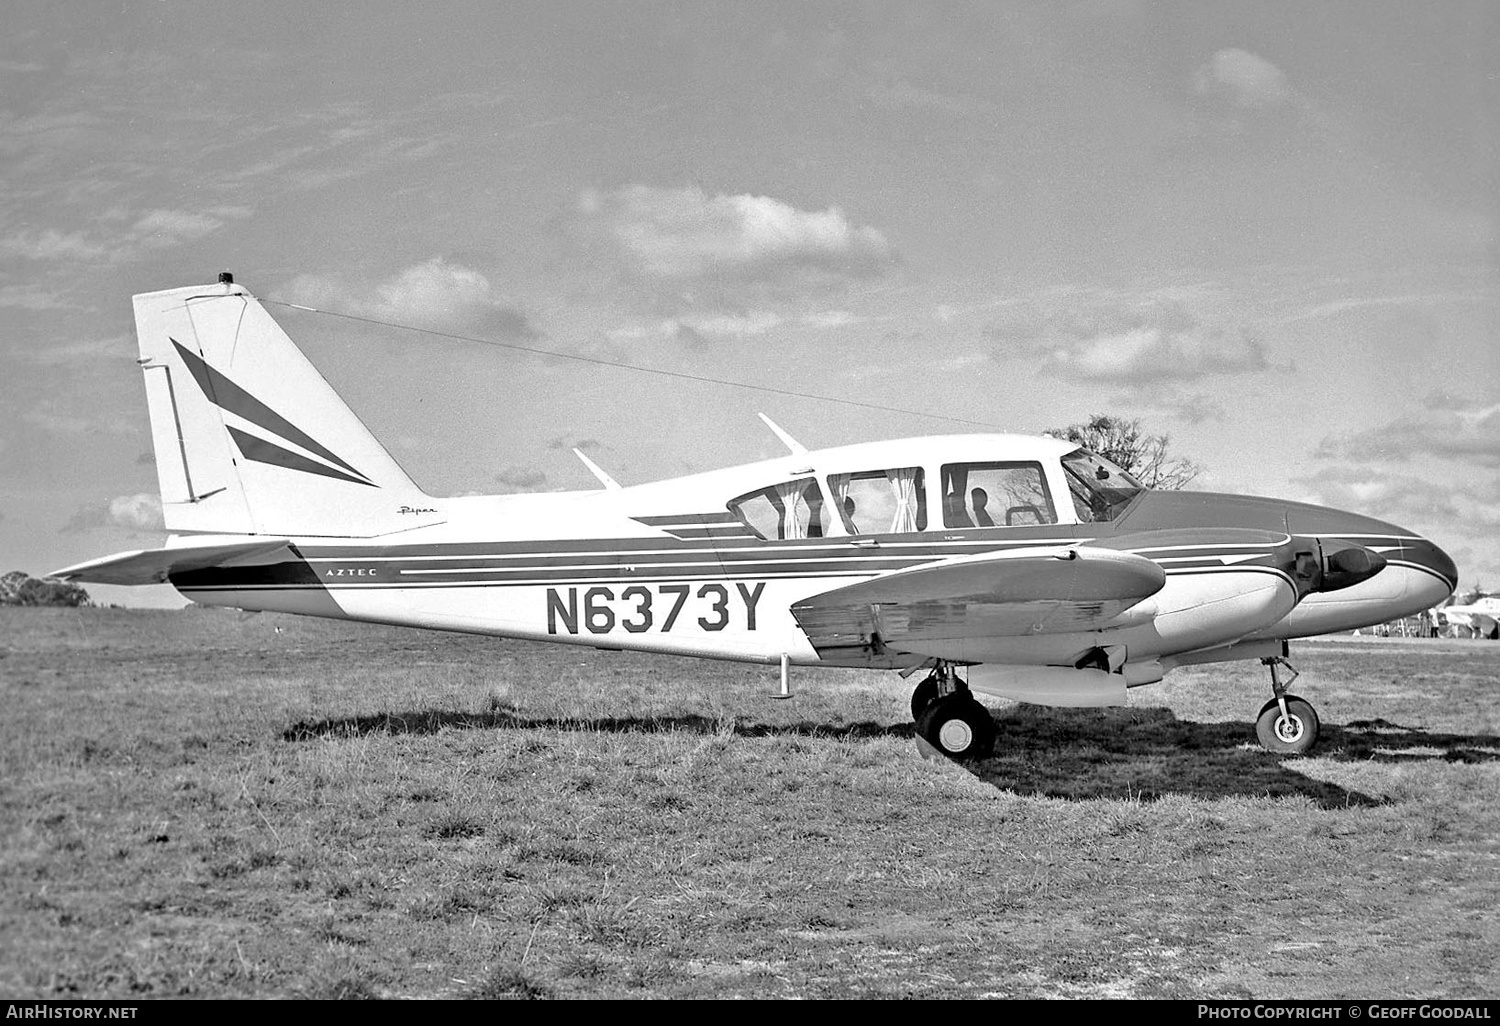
<point x="230" y="397"/>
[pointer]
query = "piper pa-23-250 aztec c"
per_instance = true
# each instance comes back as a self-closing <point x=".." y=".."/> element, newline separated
<point x="1019" y="567"/>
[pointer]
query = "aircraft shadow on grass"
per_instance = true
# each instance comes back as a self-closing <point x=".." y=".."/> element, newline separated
<point x="1143" y="754"/>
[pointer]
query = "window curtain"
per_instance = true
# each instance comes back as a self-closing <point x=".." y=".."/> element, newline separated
<point x="790" y="504"/>
<point x="904" y="485"/>
<point x="839" y="485"/>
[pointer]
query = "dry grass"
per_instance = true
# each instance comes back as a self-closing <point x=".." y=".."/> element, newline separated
<point x="204" y="804"/>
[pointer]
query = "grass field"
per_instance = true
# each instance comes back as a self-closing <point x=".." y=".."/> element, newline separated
<point x="205" y="804"/>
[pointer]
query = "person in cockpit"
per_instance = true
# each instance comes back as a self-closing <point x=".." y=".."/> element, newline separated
<point x="954" y="514"/>
<point x="979" y="499"/>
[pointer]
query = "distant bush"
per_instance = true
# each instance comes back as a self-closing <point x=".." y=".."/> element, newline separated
<point x="18" y="588"/>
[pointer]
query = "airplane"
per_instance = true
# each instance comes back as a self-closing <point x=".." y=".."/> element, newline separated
<point x="1011" y="566"/>
<point x="1481" y="617"/>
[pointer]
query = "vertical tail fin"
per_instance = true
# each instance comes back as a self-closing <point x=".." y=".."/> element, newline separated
<point x="249" y="438"/>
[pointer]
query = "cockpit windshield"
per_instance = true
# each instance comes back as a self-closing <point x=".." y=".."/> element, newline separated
<point x="1101" y="490"/>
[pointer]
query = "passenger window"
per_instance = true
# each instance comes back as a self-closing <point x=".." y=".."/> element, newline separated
<point x="996" y="495"/>
<point x="794" y="509"/>
<point x="881" y="501"/>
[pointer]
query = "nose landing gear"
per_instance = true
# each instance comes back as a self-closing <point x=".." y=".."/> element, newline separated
<point x="949" y="719"/>
<point x="1287" y="725"/>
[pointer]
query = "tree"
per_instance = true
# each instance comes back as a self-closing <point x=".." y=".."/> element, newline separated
<point x="21" y="589"/>
<point x="10" y="586"/>
<point x="1125" y="443"/>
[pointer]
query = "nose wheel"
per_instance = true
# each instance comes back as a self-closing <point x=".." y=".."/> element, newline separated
<point x="1287" y="725"/>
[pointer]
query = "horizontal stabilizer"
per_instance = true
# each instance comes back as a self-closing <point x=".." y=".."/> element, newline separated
<point x="1021" y="592"/>
<point x="154" y="566"/>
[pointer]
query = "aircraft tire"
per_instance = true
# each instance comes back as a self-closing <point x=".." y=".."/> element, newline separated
<point x="923" y="695"/>
<point x="1295" y="736"/>
<point x="958" y="727"/>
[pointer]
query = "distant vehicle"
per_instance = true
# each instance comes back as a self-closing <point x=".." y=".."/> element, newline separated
<point x="1480" y="617"/>
<point x="1013" y="566"/>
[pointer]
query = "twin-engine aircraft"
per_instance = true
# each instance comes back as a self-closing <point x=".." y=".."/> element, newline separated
<point x="1018" y="567"/>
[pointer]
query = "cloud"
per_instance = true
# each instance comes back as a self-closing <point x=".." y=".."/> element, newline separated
<point x="167" y="227"/>
<point x="32" y="296"/>
<point x="831" y="319"/>
<point x="1403" y="471"/>
<point x="1450" y="428"/>
<point x="85" y="350"/>
<point x="733" y="325"/>
<point x="1154" y="352"/>
<point x="1339" y="307"/>
<point x="137" y="513"/>
<point x="154" y="229"/>
<point x="1402" y="498"/>
<point x="432" y="294"/>
<point x="520" y="479"/>
<point x="698" y="330"/>
<point x="57" y="417"/>
<point x="1195" y="408"/>
<point x="1142" y="344"/>
<point x="1468" y="509"/>
<point x="678" y="235"/>
<point x="1244" y="79"/>
<point x="52" y="245"/>
<point x="141" y="512"/>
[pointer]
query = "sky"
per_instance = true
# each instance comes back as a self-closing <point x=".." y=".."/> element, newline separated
<point x="1266" y="230"/>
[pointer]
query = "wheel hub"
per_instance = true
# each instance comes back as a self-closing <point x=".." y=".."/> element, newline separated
<point x="956" y="735"/>
<point x="1289" y="728"/>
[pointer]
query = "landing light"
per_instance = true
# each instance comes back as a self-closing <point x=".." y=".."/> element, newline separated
<point x="1345" y="564"/>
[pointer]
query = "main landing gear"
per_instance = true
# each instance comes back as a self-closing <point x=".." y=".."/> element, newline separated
<point x="1287" y="725"/>
<point x="949" y="718"/>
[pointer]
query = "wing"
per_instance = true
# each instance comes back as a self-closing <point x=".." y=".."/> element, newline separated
<point x="152" y="566"/>
<point x="1020" y="592"/>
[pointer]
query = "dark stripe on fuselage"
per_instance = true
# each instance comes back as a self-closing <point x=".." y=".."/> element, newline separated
<point x="601" y="560"/>
<point x="699" y="519"/>
<point x="660" y="559"/>
<point x="711" y="532"/>
<point x="1409" y="565"/>
<point x="302" y="575"/>
<point x="626" y="549"/>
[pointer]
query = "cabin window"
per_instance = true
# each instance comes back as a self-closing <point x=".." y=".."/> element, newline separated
<point x="1101" y="490"/>
<point x="996" y="495"/>
<point x="881" y="501"/>
<point x="793" y="509"/>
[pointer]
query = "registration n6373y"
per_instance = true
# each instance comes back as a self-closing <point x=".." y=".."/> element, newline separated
<point x="638" y="608"/>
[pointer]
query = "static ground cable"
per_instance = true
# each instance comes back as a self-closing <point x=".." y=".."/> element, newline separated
<point x="632" y="367"/>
